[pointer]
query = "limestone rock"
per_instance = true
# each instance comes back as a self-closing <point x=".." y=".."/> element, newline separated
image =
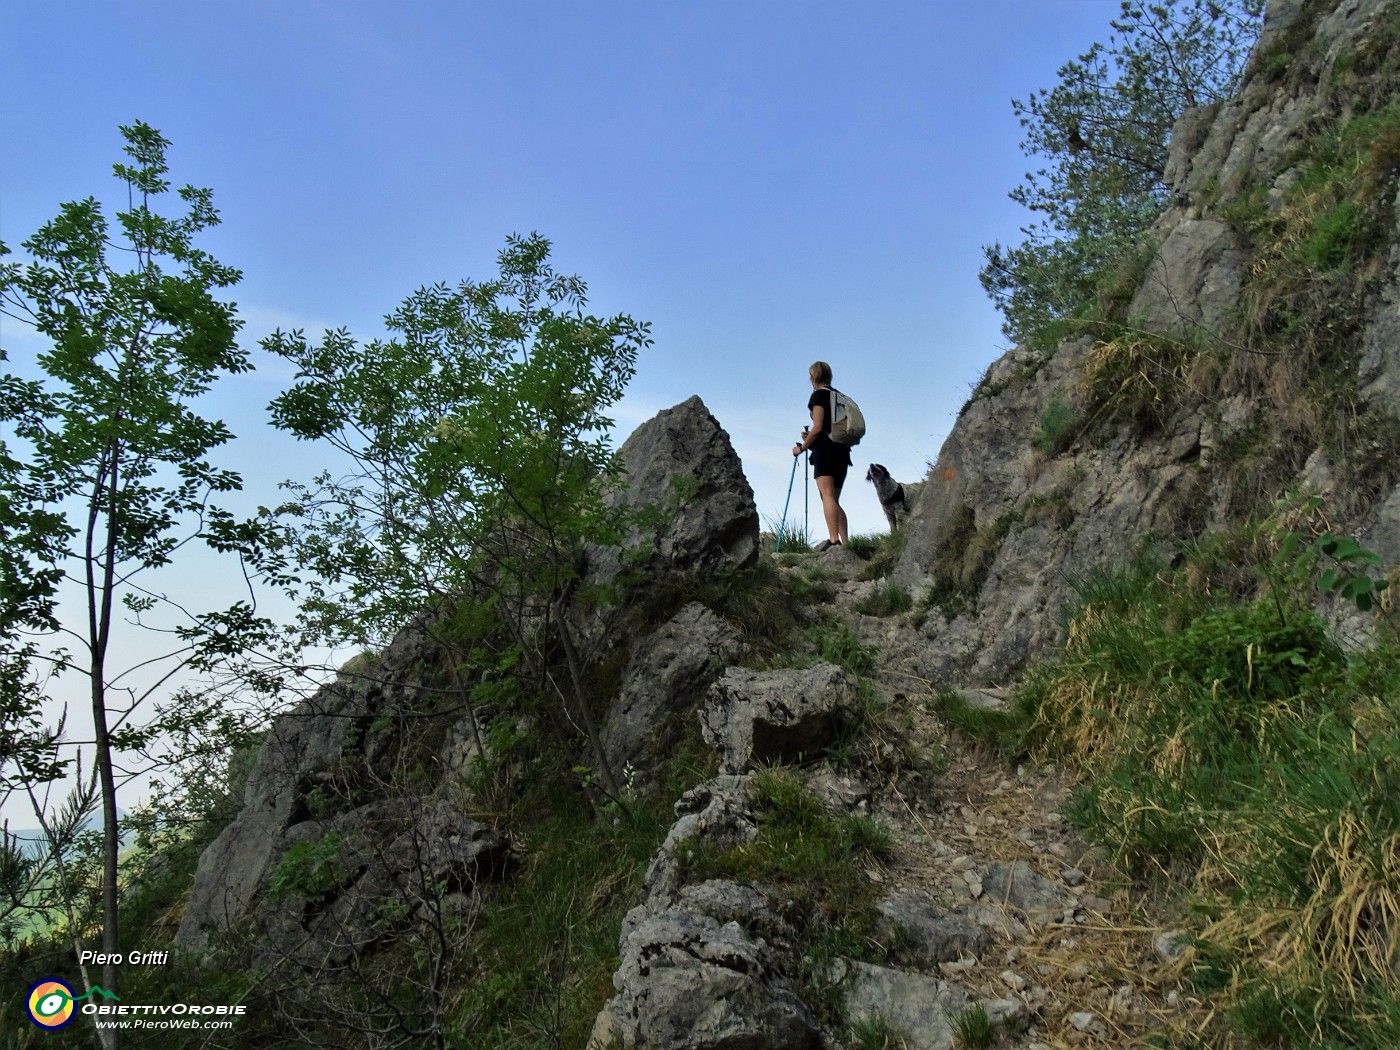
<point x="688" y="982"/>
<point x="667" y="674"/>
<point x="300" y="776"/>
<point x="1021" y="887"/>
<point x="839" y="790"/>
<point x="695" y="972"/>
<point x="682" y="463"/>
<point x="716" y="812"/>
<point x="389" y="861"/>
<point x="918" y="1007"/>
<point x="1170" y="945"/>
<point x="1194" y="282"/>
<point x="1005" y="523"/>
<point x="769" y="716"/>
<point x="928" y="933"/>
<point x="754" y="909"/>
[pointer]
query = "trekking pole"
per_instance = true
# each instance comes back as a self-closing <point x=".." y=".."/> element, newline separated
<point x="806" y="494"/>
<point x="782" y="527"/>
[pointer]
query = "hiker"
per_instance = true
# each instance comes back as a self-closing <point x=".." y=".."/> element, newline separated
<point x="829" y="460"/>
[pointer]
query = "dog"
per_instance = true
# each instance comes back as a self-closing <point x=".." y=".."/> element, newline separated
<point x="895" y="500"/>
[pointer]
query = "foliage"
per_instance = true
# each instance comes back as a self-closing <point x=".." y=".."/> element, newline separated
<point x="999" y="729"/>
<point x="1137" y="379"/>
<point x="477" y="444"/>
<point x="789" y="537"/>
<point x="963" y="558"/>
<point x="1319" y="252"/>
<point x="1346" y="561"/>
<point x="1102" y="135"/>
<point x="873" y="1032"/>
<point x="309" y="869"/>
<point x="1059" y="424"/>
<point x="483" y="419"/>
<point x="837" y="644"/>
<point x="881" y="552"/>
<point x="108" y="478"/>
<point x="546" y="945"/>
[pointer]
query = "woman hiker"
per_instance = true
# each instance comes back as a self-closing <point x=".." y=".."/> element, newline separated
<point x="829" y="460"/>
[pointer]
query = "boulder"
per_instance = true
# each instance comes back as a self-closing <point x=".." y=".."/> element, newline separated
<point x="688" y="982"/>
<point x="928" y="933"/>
<point x="785" y="715"/>
<point x="918" y="1008"/>
<point x="682" y="464"/>
<point x="1019" y="886"/>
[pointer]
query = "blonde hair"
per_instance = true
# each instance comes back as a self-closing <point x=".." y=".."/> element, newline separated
<point x="820" y="373"/>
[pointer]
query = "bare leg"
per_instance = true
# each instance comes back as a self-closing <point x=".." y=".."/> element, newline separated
<point x="831" y="509"/>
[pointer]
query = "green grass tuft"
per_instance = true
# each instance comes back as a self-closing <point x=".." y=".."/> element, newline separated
<point x="973" y="1028"/>
<point x="889" y="600"/>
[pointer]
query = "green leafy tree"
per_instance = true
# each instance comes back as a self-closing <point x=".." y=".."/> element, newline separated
<point x="476" y="439"/>
<point x="105" y="477"/>
<point x="1101" y="135"/>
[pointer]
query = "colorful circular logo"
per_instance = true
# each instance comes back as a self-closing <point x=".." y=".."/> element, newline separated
<point x="51" y="1003"/>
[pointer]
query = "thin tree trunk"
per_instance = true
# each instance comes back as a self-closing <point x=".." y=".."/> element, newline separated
<point x="590" y="727"/>
<point x="100" y="595"/>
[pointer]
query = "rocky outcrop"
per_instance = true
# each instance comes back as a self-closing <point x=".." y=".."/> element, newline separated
<point x="689" y="983"/>
<point x="681" y="464"/>
<point x="714" y="963"/>
<point x="1045" y="477"/>
<point x="356" y="796"/>
<point x="666" y="676"/>
<point x="1194" y="282"/>
<point x="696" y="973"/>
<point x="988" y="909"/>
<point x="384" y="863"/>
<point x="315" y="776"/>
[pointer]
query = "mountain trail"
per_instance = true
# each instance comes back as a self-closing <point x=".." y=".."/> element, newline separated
<point x="1094" y="961"/>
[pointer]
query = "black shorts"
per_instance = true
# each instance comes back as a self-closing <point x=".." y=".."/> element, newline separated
<point x="830" y="460"/>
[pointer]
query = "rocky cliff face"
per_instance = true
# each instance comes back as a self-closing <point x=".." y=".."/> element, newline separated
<point x="1201" y="400"/>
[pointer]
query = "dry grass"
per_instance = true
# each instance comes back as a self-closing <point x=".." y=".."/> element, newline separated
<point x="1139" y="378"/>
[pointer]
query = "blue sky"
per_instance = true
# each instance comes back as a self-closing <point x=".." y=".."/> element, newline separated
<point x="768" y="183"/>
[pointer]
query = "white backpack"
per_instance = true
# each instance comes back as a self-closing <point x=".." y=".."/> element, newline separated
<point x="847" y="423"/>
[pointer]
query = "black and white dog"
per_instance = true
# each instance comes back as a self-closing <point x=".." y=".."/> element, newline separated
<point x="896" y="500"/>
